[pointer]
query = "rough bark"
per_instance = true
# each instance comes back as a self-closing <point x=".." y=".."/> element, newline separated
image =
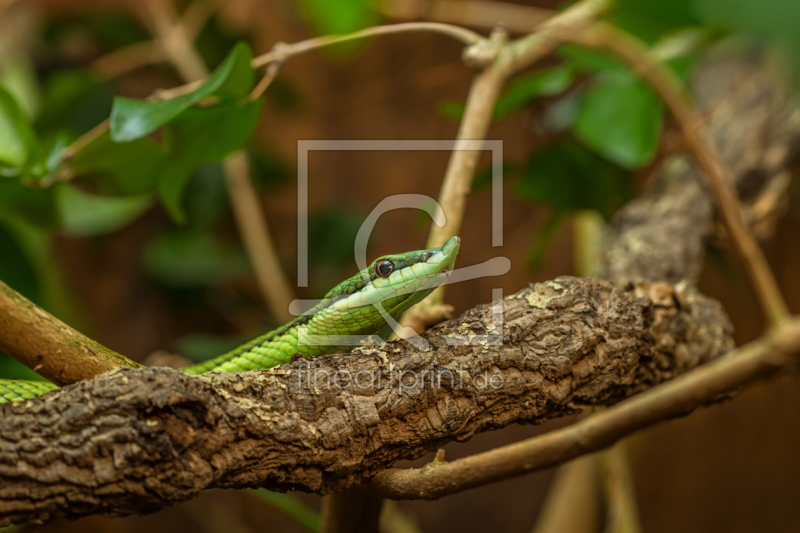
<point x="754" y="123"/>
<point x="136" y="440"/>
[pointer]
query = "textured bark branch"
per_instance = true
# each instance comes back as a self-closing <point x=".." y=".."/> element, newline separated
<point x="678" y="397"/>
<point x="51" y="348"/>
<point x="717" y="176"/>
<point x="755" y="123"/>
<point x="134" y="441"/>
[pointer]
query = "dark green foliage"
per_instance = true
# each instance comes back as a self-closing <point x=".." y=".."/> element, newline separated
<point x="620" y="117"/>
<point x="132" y="119"/>
<point x="121" y="168"/>
<point x="200" y="135"/>
<point x="567" y="177"/>
<point x="19" y="146"/>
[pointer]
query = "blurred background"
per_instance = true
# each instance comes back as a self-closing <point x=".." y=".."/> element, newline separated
<point x="123" y="269"/>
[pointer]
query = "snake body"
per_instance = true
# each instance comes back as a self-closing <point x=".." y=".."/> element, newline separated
<point x="393" y="282"/>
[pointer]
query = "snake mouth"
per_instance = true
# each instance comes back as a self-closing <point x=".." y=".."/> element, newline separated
<point x="449" y="253"/>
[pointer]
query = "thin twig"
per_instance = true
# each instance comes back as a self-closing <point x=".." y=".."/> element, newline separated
<point x="281" y="51"/>
<point x="126" y="59"/>
<point x="758" y="359"/>
<point x="572" y="503"/>
<point x="697" y="141"/>
<point x="485" y="90"/>
<point x="81" y="142"/>
<point x="138" y="55"/>
<point x="174" y="41"/>
<point x="266" y="81"/>
<point x="253" y="226"/>
<point x="622" y="515"/>
<point x="196" y="15"/>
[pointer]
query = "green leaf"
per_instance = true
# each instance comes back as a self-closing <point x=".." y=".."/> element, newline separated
<point x="526" y="88"/>
<point x="775" y="20"/>
<point x="648" y="20"/>
<point x="121" y="168"/>
<point x="201" y="135"/>
<point x="86" y="215"/>
<point x="521" y="92"/>
<point x="206" y="198"/>
<point x="339" y="17"/>
<point x="18" y="143"/>
<point x="620" y="117"/>
<point x="188" y="259"/>
<point x="73" y="100"/>
<point x="54" y="151"/>
<point x="567" y="177"/>
<point x="132" y="119"/>
<point x="33" y="206"/>
<point x="19" y="79"/>
<point x="591" y="61"/>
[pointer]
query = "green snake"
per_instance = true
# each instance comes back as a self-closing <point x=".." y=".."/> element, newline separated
<point x="393" y="282"/>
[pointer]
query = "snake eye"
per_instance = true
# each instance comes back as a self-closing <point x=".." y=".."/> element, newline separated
<point x="384" y="268"/>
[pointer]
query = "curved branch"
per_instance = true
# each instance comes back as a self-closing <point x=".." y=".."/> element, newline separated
<point x="674" y="96"/>
<point x="134" y="441"/>
<point x="282" y="51"/>
<point x="49" y="347"/>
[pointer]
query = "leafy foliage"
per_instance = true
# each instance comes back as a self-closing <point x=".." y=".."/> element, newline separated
<point x="133" y="167"/>
<point x="522" y="91"/>
<point x="86" y="215"/>
<point x="621" y="118"/>
<point x="338" y="17"/>
<point x="133" y="119"/>
<point x="18" y="143"/>
<point x="566" y="177"/>
<point x="200" y="135"/>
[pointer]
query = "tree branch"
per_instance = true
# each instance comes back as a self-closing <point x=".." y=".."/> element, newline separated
<point x="678" y="397"/>
<point x="673" y="94"/>
<point x="662" y="235"/>
<point x="502" y="61"/>
<point x="282" y="51"/>
<point x="49" y="347"/>
<point x="134" y="441"/>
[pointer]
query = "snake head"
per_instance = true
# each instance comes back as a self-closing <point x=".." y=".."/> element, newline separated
<point x="398" y="280"/>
